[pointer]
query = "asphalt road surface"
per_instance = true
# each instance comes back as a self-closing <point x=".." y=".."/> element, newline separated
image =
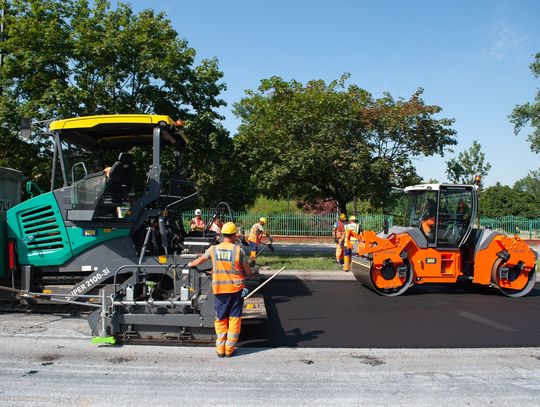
<point x="328" y="337"/>
<point x="345" y="314"/>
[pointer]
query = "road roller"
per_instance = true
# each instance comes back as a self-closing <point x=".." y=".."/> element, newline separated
<point x="436" y="239"/>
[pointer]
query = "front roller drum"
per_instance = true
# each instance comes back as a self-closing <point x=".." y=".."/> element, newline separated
<point x="514" y="281"/>
<point x="388" y="279"/>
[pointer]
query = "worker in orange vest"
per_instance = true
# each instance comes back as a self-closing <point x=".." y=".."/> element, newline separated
<point x="197" y="223"/>
<point x="256" y="234"/>
<point x="229" y="268"/>
<point x="352" y="230"/>
<point x="339" y="232"/>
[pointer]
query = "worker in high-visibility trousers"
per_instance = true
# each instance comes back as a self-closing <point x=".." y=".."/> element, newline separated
<point x="256" y="234"/>
<point x="339" y="233"/>
<point x="229" y="268"/>
<point x="349" y="242"/>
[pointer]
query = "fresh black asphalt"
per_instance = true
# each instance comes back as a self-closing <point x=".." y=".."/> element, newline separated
<point x="341" y="314"/>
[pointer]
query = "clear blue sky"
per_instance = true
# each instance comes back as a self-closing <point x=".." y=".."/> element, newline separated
<point x="471" y="57"/>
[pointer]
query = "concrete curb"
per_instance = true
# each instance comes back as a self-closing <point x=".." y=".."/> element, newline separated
<point x="310" y="275"/>
<point x="321" y="275"/>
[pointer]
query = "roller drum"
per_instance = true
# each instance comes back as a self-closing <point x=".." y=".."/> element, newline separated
<point x="361" y="269"/>
<point x="400" y="277"/>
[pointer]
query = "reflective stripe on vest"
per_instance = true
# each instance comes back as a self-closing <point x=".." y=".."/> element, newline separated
<point x="227" y="272"/>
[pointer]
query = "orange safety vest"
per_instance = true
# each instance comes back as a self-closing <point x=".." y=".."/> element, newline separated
<point x="199" y="223"/>
<point x="340" y="229"/>
<point x="255" y="234"/>
<point x="227" y="272"/>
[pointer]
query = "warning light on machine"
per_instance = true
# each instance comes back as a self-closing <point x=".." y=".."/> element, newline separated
<point x="431" y="260"/>
<point x="89" y="232"/>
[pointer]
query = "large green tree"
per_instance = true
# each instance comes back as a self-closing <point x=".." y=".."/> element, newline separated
<point x="528" y="114"/>
<point x="65" y="58"/>
<point x="320" y="140"/>
<point x="467" y="165"/>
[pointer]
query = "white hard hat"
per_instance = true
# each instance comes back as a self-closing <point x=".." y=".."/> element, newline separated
<point x="198" y="212"/>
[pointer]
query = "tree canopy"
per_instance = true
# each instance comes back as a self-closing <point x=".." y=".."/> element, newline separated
<point x="502" y="200"/>
<point x="321" y="140"/>
<point x="468" y="164"/>
<point x="528" y="114"/>
<point x="79" y="57"/>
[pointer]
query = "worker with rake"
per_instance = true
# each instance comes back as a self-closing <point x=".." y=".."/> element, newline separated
<point x="229" y="268"/>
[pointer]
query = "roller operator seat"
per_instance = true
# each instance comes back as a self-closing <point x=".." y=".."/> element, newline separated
<point x="120" y="179"/>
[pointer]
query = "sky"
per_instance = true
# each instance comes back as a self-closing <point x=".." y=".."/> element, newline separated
<point x="471" y="58"/>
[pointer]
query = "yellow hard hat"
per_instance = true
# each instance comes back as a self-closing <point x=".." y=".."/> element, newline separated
<point x="263" y="220"/>
<point x="228" y="228"/>
<point x="352" y="218"/>
<point x="342" y="216"/>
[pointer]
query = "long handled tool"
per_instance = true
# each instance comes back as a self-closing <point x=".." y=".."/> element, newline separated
<point x="263" y="284"/>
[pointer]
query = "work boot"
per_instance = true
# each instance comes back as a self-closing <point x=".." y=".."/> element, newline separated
<point x="230" y="355"/>
<point x="220" y="355"/>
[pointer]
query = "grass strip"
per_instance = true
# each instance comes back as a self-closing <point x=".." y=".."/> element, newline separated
<point x="295" y="262"/>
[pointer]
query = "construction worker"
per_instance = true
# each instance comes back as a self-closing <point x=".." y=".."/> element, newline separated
<point x="197" y="223"/>
<point x="216" y="225"/>
<point x="256" y="234"/>
<point x="229" y="268"/>
<point x="428" y="220"/>
<point x="339" y="233"/>
<point x="352" y="229"/>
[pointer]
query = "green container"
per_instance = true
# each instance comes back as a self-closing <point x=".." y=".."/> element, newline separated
<point x="10" y="195"/>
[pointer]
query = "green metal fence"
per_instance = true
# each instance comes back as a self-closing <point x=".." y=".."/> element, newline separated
<point x="293" y="224"/>
<point x="524" y="228"/>
<point x="299" y="224"/>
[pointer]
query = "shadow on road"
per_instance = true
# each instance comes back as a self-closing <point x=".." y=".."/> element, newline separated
<point x="272" y="333"/>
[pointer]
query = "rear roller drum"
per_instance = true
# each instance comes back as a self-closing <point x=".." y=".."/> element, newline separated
<point x="388" y="280"/>
<point x="514" y="281"/>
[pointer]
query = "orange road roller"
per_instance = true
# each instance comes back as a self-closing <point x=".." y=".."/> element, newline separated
<point x="440" y="242"/>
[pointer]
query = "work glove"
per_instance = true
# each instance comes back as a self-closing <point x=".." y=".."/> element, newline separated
<point x="336" y="240"/>
<point x="245" y="291"/>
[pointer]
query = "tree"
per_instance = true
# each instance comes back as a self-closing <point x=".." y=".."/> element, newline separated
<point x="323" y="141"/>
<point x="529" y="113"/>
<point x="76" y="57"/>
<point x="530" y="185"/>
<point x="501" y="200"/>
<point x="468" y="164"/>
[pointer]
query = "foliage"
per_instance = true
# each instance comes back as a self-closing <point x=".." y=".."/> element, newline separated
<point x="273" y="206"/>
<point x="528" y="114"/>
<point x="327" y="141"/>
<point x="79" y="57"/>
<point x="501" y="200"/>
<point x="530" y="184"/>
<point x="462" y="170"/>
